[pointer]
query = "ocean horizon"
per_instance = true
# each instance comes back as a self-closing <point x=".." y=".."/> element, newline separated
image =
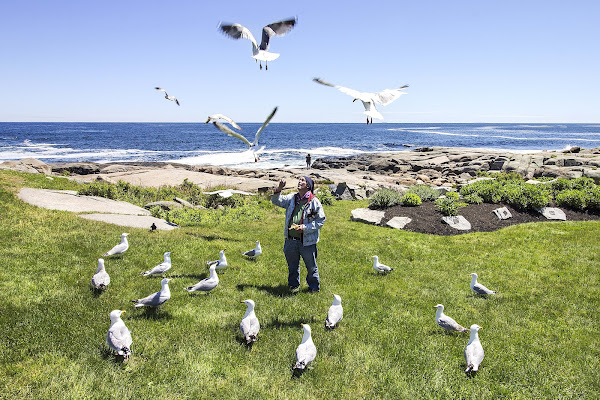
<point x="284" y="145"/>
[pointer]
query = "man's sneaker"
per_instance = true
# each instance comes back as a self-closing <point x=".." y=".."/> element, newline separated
<point x="294" y="289"/>
<point x="314" y="290"/>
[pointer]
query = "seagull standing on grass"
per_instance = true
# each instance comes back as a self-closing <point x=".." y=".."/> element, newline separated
<point x="384" y="98"/>
<point x="255" y="252"/>
<point x="100" y="280"/>
<point x="379" y="267"/>
<point x="216" y="117"/>
<point x="446" y="322"/>
<point x="172" y="98"/>
<point x="335" y="312"/>
<point x="254" y="145"/>
<point x="474" y="350"/>
<point x="249" y="325"/>
<point x="120" y="248"/>
<point x="208" y="284"/>
<point x="221" y="263"/>
<point x="260" y="53"/>
<point x="478" y="287"/>
<point x="119" y="337"/>
<point x="160" y="268"/>
<point x="306" y="351"/>
<point x="155" y="299"/>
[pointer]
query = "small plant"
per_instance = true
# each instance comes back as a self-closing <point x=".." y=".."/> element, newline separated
<point x="384" y="198"/>
<point x="572" y="198"/>
<point x="473" y="198"/>
<point x="324" y="182"/>
<point x="410" y="200"/>
<point x="425" y="192"/>
<point x="325" y="196"/>
<point x="100" y="189"/>
<point x="450" y="204"/>
<point x="489" y="190"/>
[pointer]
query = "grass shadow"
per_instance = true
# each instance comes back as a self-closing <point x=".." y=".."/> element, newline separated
<point x="108" y="354"/>
<point x="277" y="323"/>
<point x="96" y="292"/>
<point x="210" y="238"/>
<point x="194" y="276"/>
<point x="153" y="313"/>
<point x="279" y="290"/>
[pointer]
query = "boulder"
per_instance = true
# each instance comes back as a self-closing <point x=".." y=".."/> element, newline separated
<point x="398" y="222"/>
<point x="367" y="215"/>
<point x="553" y="213"/>
<point x="30" y="165"/>
<point x="502" y="213"/>
<point x="184" y="203"/>
<point x="457" y="222"/>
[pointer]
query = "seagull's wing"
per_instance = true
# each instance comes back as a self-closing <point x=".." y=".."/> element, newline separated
<point x="224" y="118"/>
<point x="264" y="125"/>
<point x="386" y="96"/>
<point x="237" y="31"/>
<point x="119" y="337"/>
<point x="276" y="28"/>
<point x="176" y="101"/>
<point x="228" y="131"/>
<point x="161" y="89"/>
<point x="351" y="92"/>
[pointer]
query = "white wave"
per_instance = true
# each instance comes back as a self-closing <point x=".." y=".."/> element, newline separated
<point x="537" y="138"/>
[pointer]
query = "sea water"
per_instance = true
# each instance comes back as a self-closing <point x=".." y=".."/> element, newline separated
<point x="285" y="144"/>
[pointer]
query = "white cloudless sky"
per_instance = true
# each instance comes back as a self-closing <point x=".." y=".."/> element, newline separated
<point x="465" y="61"/>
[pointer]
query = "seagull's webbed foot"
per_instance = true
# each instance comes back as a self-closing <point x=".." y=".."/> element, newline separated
<point x="260" y="64"/>
<point x="266" y="66"/>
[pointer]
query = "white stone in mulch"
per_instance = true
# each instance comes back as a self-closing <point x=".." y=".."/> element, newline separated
<point x="502" y="213"/>
<point x="398" y="222"/>
<point x="553" y="213"/>
<point x="367" y="215"/>
<point x="458" y="222"/>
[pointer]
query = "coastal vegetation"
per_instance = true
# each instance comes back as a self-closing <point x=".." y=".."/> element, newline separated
<point x="539" y="333"/>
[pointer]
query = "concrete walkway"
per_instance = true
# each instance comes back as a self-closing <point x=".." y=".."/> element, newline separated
<point x="102" y="209"/>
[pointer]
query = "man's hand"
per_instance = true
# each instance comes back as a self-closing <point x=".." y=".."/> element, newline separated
<point x="281" y="185"/>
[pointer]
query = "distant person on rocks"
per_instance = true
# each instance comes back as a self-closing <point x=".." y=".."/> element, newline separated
<point x="304" y="217"/>
<point x="308" y="159"/>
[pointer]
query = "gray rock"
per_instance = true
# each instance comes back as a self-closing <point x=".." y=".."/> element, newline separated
<point x="502" y="213"/>
<point x="367" y="215"/>
<point x="398" y="222"/>
<point x="184" y="203"/>
<point x="593" y="173"/>
<point x="134" y="221"/>
<point x="457" y="222"/>
<point x="81" y="168"/>
<point x="553" y="213"/>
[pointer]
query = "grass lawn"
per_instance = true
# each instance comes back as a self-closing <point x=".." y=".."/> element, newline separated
<point x="540" y="334"/>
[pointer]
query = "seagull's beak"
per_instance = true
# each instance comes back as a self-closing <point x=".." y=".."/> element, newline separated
<point x="122" y="312"/>
<point x="241" y="301"/>
<point x="302" y="325"/>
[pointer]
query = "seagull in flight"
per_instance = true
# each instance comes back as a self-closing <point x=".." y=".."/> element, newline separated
<point x="259" y="52"/>
<point x="216" y="117"/>
<point x="172" y="98"/>
<point x="252" y="146"/>
<point x="384" y="98"/>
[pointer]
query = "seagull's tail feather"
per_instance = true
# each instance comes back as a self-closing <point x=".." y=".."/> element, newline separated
<point x="329" y="324"/>
<point x="250" y="339"/>
<point x="469" y="368"/>
<point x="300" y="365"/>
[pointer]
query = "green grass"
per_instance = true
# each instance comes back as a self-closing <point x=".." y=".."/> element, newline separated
<point x="541" y="333"/>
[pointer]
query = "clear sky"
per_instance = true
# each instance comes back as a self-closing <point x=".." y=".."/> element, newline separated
<point x="465" y="61"/>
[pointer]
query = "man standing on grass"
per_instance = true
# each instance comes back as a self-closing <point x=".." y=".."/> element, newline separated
<point x="304" y="217"/>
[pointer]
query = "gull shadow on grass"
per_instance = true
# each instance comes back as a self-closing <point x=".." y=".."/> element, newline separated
<point x="279" y="290"/>
<point x="297" y="372"/>
<point x="191" y="276"/>
<point x="448" y="333"/>
<point x="242" y="341"/>
<point x="108" y="354"/>
<point x="96" y="292"/>
<point x="153" y="313"/>
<point x="276" y="323"/>
<point x="210" y="238"/>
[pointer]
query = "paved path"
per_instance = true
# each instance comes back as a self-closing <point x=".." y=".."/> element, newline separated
<point x="102" y="209"/>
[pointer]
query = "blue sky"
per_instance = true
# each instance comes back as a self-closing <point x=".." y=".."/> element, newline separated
<point x="465" y="61"/>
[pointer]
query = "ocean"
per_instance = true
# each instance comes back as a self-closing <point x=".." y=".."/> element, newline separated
<point x="285" y="144"/>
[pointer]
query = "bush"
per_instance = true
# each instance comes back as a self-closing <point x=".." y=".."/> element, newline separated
<point x="489" y="190"/>
<point x="99" y="188"/>
<point x="572" y="198"/>
<point x="583" y="183"/>
<point x="410" y="200"/>
<point x="524" y="196"/>
<point x="384" y="198"/>
<point x="325" y="196"/>
<point x="425" y="192"/>
<point x="450" y="204"/>
<point x="593" y="198"/>
<point x="561" y="184"/>
<point x="473" y="198"/>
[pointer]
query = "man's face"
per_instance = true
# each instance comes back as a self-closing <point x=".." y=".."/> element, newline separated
<point x="302" y="184"/>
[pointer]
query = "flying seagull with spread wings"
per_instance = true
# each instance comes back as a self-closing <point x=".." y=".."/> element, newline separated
<point x="254" y="145"/>
<point x="217" y="117"/>
<point x="369" y="100"/>
<point x="259" y="52"/>
<point x="172" y="98"/>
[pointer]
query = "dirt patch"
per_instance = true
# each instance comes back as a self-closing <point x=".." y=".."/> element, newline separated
<point x="427" y="219"/>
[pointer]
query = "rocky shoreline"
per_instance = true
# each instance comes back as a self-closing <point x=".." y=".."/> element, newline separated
<point x="436" y="166"/>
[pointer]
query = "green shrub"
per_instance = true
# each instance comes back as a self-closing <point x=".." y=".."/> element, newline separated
<point x="489" y="190"/>
<point x="410" y="200"/>
<point x="561" y="184"/>
<point x="572" y="198"/>
<point x="508" y="176"/>
<point x="524" y="195"/>
<point x="384" y="198"/>
<point x="425" y="192"/>
<point x="473" y="198"/>
<point x="450" y="204"/>
<point x="593" y="198"/>
<point x="99" y="188"/>
<point x="158" y="212"/>
<point x="236" y="200"/>
<point x="325" y="196"/>
<point x="184" y="216"/>
<point x="583" y="183"/>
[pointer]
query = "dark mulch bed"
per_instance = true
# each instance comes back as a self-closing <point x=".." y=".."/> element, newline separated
<point x="427" y="219"/>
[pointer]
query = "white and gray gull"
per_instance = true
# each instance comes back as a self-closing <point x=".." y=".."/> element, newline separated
<point x="478" y="287"/>
<point x="249" y="325"/>
<point x="100" y="280"/>
<point x="446" y="322"/>
<point x="171" y="98"/>
<point x="369" y="100"/>
<point x="207" y="284"/>
<point x="217" y="117"/>
<point x="306" y="350"/>
<point x="379" y="267"/>
<point x="160" y="268"/>
<point x="156" y="299"/>
<point x="255" y="252"/>
<point x="474" y="350"/>
<point x="221" y="263"/>
<point x="251" y="146"/>
<point x="119" y="337"/>
<point x="120" y="248"/>
<point x="259" y="52"/>
<point x="335" y="312"/>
